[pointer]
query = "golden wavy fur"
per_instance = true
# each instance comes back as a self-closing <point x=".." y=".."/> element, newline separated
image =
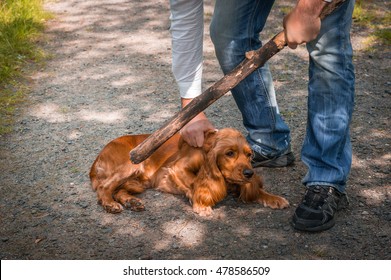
<point x="203" y="175"/>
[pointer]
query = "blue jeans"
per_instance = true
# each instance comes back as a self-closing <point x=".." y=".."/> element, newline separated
<point x="235" y="30"/>
<point x="326" y="149"/>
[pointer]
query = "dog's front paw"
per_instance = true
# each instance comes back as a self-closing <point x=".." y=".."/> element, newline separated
<point x="204" y="211"/>
<point x="275" y="202"/>
<point x="134" y="204"/>
<point x="113" y="207"/>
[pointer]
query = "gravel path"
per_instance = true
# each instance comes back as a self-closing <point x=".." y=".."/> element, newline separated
<point x="110" y="75"/>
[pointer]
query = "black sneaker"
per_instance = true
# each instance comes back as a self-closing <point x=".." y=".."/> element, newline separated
<point x="283" y="160"/>
<point x="318" y="207"/>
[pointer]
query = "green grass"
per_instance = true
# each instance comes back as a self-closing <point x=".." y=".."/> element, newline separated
<point x="377" y="20"/>
<point x="286" y="10"/>
<point x="362" y="15"/>
<point x="21" y="23"/>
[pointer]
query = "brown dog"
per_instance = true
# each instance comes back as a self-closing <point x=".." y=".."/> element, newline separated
<point x="203" y="175"/>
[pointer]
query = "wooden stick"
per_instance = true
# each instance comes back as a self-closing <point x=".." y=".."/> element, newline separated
<point x="253" y="60"/>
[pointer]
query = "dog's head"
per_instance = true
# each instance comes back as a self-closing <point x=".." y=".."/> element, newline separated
<point x="229" y="154"/>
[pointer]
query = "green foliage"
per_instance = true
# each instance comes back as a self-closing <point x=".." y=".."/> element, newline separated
<point x="376" y="20"/>
<point x="9" y="98"/>
<point x="384" y="35"/>
<point x="362" y="15"/>
<point x="21" y="22"/>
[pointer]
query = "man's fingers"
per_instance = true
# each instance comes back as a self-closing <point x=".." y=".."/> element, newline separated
<point x="199" y="140"/>
<point x="193" y="133"/>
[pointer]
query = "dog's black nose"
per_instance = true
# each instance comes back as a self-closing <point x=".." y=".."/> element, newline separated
<point x="248" y="173"/>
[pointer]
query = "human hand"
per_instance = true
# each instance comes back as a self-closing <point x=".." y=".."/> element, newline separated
<point x="302" y="24"/>
<point x="193" y="133"/>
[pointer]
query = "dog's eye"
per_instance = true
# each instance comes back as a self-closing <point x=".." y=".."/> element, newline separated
<point x="249" y="155"/>
<point x="230" y="153"/>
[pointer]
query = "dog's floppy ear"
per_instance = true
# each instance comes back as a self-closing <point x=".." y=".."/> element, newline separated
<point x="209" y="146"/>
<point x="210" y="139"/>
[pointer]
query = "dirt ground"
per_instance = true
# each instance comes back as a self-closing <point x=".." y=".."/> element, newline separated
<point x="109" y="75"/>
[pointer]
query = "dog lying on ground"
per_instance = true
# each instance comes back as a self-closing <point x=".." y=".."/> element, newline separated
<point x="204" y="175"/>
